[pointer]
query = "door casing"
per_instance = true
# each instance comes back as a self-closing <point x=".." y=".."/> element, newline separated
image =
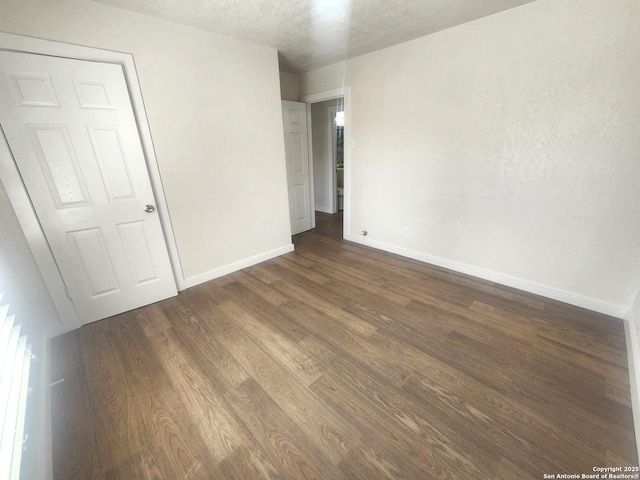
<point x="19" y="197"/>
<point x="345" y="93"/>
<point x="333" y="162"/>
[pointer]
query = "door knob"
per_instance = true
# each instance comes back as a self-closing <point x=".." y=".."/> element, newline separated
<point x="149" y="209"/>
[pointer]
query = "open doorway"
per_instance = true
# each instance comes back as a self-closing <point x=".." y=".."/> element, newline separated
<point x="336" y="119"/>
<point x="341" y="96"/>
<point x="327" y="146"/>
<point x="326" y="141"/>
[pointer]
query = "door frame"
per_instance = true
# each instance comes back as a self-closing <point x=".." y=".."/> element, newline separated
<point x="333" y="162"/>
<point x="345" y="94"/>
<point x="18" y="194"/>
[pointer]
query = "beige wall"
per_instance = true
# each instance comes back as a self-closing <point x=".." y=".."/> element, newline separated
<point x="214" y="112"/>
<point x="289" y="86"/>
<point x="508" y="145"/>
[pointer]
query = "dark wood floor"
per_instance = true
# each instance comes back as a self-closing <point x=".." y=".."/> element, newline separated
<point x="339" y="361"/>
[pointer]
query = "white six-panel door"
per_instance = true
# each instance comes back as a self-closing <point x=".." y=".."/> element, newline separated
<point x="294" y="115"/>
<point x="72" y="132"/>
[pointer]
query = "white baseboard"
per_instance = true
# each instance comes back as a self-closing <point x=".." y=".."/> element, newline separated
<point x="323" y="209"/>
<point x="234" y="267"/>
<point x="633" y="359"/>
<point x="549" y="292"/>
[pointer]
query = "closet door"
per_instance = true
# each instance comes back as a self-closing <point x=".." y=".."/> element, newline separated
<point x="72" y="132"/>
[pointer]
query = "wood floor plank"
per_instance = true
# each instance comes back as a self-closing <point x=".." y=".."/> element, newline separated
<point x="283" y="442"/>
<point x="427" y="361"/>
<point x="571" y="416"/>
<point x="197" y="305"/>
<point x="585" y="343"/>
<point x="509" y="471"/>
<point x="180" y="450"/>
<point x="179" y="445"/>
<point x="547" y="367"/>
<point x="151" y="320"/>
<point x="142" y="465"/>
<point x="500" y="346"/>
<point x="260" y="288"/>
<point x="526" y="374"/>
<point x="365" y="463"/>
<point x="338" y="262"/>
<point x="263" y="274"/>
<point x="314" y="306"/>
<point x="351" y="344"/>
<point x="618" y="392"/>
<point x="249" y="462"/>
<point x="326" y="428"/>
<point x="505" y="429"/>
<point x="398" y="407"/>
<point x="559" y="431"/>
<point x="75" y="451"/>
<point x="526" y="382"/>
<point x="219" y="428"/>
<point x="582" y="319"/>
<point x="283" y="267"/>
<point x="199" y="343"/>
<point x="320" y="289"/>
<point x="304" y="367"/>
<point x="347" y="274"/>
<point x="525" y="329"/>
<point x="250" y="301"/>
<point x="120" y="428"/>
<point x="424" y="461"/>
<point x="338" y="361"/>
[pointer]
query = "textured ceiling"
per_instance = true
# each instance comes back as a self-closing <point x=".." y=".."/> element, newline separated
<point x="309" y="34"/>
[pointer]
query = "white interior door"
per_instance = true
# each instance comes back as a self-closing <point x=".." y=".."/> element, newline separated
<point x="72" y="132"/>
<point x="294" y="115"/>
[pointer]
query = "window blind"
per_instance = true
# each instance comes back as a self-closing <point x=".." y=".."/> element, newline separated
<point x="15" y="360"/>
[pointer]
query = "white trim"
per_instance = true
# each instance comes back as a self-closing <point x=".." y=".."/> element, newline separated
<point x="17" y="193"/>
<point x="322" y="96"/>
<point x="312" y="180"/>
<point x="549" y="292"/>
<point x="333" y="146"/>
<point x="633" y="360"/>
<point x="345" y="94"/>
<point x="234" y="267"/>
<point x="312" y="186"/>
